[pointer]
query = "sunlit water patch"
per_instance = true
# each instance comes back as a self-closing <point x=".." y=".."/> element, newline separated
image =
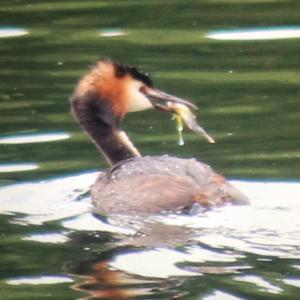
<point x="87" y="222"/>
<point x="17" y="167"/>
<point x="259" y="33"/>
<point x="292" y="281"/>
<point x="268" y="227"/>
<point x="12" y="32"/>
<point x="47" y="200"/>
<point x="272" y="203"/>
<point x="34" y="138"/>
<point x="218" y="295"/>
<point x="112" y="32"/>
<point x="260" y="283"/>
<point x="53" y="238"/>
<point x="169" y="261"/>
<point x="39" y="280"/>
<point x="221" y="242"/>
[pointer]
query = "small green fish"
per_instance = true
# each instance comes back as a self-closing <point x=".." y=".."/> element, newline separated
<point x="183" y="115"/>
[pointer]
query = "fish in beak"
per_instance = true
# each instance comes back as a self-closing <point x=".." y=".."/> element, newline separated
<point x="181" y="108"/>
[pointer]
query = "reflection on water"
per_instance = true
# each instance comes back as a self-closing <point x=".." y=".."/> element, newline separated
<point x="88" y="222"/>
<point x="17" y="167"/>
<point x="12" y="32"/>
<point x="218" y="295"/>
<point x="260" y="33"/>
<point x="175" y="249"/>
<point x="39" y="206"/>
<point x="292" y="281"/>
<point x="111" y="32"/>
<point x="260" y="283"/>
<point x="54" y="238"/>
<point x="34" y="138"/>
<point x="169" y="260"/>
<point x="39" y="280"/>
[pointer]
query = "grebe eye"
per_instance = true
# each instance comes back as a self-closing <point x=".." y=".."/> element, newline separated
<point x="143" y="89"/>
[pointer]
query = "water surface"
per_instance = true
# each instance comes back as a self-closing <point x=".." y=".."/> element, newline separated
<point x="53" y="247"/>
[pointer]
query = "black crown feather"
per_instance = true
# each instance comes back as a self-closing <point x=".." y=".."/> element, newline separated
<point x="122" y="70"/>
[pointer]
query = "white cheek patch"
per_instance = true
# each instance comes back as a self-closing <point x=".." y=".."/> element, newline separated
<point x="137" y="100"/>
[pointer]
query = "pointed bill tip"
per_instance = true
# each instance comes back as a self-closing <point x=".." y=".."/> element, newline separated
<point x="210" y="139"/>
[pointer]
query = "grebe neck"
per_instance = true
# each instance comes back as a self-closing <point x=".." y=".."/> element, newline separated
<point x="102" y="127"/>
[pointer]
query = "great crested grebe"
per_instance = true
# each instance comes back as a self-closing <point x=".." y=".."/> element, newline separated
<point x="135" y="184"/>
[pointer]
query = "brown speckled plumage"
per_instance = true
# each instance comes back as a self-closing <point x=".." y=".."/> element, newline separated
<point x="154" y="184"/>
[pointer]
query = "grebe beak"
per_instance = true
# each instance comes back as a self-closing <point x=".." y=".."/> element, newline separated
<point x="160" y="99"/>
<point x="179" y="107"/>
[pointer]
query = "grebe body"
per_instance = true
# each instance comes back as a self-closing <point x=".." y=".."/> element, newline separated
<point x="134" y="184"/>
<point x="154" y="184"/>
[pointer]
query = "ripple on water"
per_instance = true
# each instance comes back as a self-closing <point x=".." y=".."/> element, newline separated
<point x="222" y="237"/>
<point x="27" y="139"/>
<point x="167" y="261"/>
<point x="112" y="32"/>
<point x="256" y="33"/>
<point x="292" y="281"/>
<point x="18" y="167"/>
<point x="6" y="32"/>
<point x="35" y="199"/>
<point x="34" y="138"/>
<point x="260" y="283"/>
<point x="53" y="238"/>
<point x="218" y="295"/>
<point x="32" y="280"/>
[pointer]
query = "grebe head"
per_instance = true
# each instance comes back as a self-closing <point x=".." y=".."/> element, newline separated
<point x="105" y="95"/>
<point x="123" y="89"/>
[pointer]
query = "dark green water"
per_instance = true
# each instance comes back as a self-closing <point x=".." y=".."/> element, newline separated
<point x="248" y="92"/>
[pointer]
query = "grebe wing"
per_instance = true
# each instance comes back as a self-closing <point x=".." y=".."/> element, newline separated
<point x="162" y="183"/>
<point x="145" y="193"/>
